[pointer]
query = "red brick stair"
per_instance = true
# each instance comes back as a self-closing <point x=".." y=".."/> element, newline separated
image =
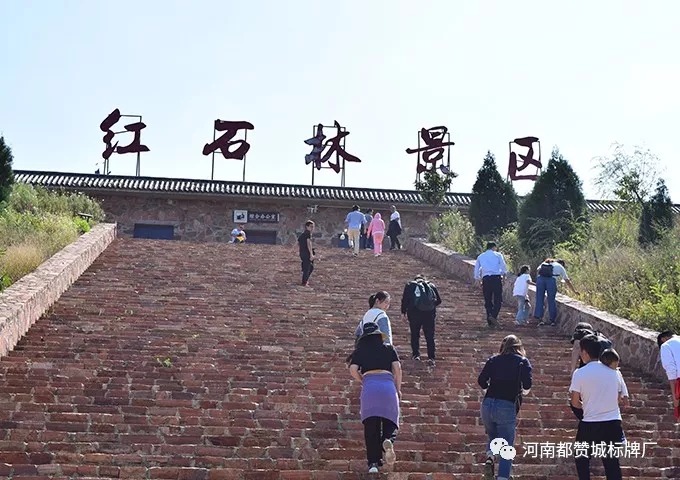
<point x="175" y="360"/>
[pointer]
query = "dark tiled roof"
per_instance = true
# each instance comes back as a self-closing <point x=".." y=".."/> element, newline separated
<point x="90" y="182"/>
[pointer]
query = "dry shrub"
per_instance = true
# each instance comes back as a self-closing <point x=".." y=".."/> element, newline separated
<point x="20" y="260"/>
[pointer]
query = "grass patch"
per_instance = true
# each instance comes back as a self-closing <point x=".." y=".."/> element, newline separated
<point x="36" y="223"/>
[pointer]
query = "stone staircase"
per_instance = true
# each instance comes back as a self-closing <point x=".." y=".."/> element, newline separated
<point x="173" y="360"/>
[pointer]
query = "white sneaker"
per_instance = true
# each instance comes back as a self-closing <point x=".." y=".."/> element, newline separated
<point x="373" y="470"/>
<point x="390" y="456"/>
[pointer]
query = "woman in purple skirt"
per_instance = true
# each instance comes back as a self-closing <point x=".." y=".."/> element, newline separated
<point x="376" y="366"/>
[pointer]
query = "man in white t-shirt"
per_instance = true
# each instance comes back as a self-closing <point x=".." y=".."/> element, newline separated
<point x="596" y="388"/>
<point x="669" y="346"/>
<point x="520" y="292"/>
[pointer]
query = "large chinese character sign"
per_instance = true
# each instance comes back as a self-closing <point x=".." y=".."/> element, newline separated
<point x="526" y="150"/>
<point x="134" y="147"/>
<point x="225" y="142"/>
<point x="336" y="145"/>
<point x="431" y="145"/>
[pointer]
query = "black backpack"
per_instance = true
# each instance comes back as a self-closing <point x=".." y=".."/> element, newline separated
<point x="424" y="298"/>
<point x="604" y="342"/>
<point x="581" y="332"/>
<point x="545" y="270"/>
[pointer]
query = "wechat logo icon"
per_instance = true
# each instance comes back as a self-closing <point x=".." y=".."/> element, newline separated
<point x="499" y="446"/>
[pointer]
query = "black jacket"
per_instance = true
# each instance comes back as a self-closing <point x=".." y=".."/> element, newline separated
<point x="408" y="299"/>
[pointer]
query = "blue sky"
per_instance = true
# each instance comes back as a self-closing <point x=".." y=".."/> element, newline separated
<point x="579" y="75"/>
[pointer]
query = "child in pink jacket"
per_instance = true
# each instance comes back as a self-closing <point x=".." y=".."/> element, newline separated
<point x="377" y="229"/>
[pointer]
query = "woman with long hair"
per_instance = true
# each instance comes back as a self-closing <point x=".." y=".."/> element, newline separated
<point x="505" y="377"/>
<point x="378" y="304"/>
<point x="375" y="365"/>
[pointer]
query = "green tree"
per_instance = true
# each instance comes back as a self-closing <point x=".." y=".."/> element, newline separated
<point x="555" y="212"/>
<point x="433" y="186"/>
<point x="494" y="200"/>
<point x="657" y="216"/>
<point x="6" y="172"/>
<point x="628" y="177"/>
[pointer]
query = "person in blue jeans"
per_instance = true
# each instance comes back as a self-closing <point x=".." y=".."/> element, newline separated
<point x="505" y="377"/>
<point x="546" y="283"/>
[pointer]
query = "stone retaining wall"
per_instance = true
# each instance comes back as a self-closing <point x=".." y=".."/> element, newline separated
<point x="636" y="345"/>
<point x="28" y="299"/>
<point x="199" y="219"/>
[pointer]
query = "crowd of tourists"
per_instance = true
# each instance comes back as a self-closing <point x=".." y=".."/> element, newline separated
<point x="367" y="230"/>
<point x="597" y="388"/>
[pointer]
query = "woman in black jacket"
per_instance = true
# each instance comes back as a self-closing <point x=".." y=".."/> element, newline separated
<point x="394" y="229"/>
<point x="505" y="377"/>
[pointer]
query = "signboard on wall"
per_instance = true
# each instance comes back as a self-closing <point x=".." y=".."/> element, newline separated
<point x="246" y="216"/>
<point x="263" y="217"/>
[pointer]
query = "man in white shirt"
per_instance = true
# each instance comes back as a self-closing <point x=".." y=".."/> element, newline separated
<point x="490" y="269"/>
<point x="596" y="387"/>
<point x="669" y="346"/>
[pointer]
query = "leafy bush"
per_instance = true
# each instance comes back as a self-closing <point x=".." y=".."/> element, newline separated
<point x="657" y="216"/>
<point x="82" y="225"/>
<point x="433" y="186"/>
<point x="38" y="223"/>
<point x="662" y="312"/>
<point x="555" y="211"/>
<point x="30" y="199"/>
<point x="607" y="265"/>
<point x="511" y="248"/>
<point x="455" y="232"/>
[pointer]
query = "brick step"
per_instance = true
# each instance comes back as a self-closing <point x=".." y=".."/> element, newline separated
<point x="257" y="386"/>
<point x="458" y="472"/>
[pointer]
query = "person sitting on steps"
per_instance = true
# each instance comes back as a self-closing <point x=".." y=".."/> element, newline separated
<point x="238" y="235"/>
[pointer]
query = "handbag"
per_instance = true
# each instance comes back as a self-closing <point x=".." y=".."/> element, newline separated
<point x="518" y="398"/>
